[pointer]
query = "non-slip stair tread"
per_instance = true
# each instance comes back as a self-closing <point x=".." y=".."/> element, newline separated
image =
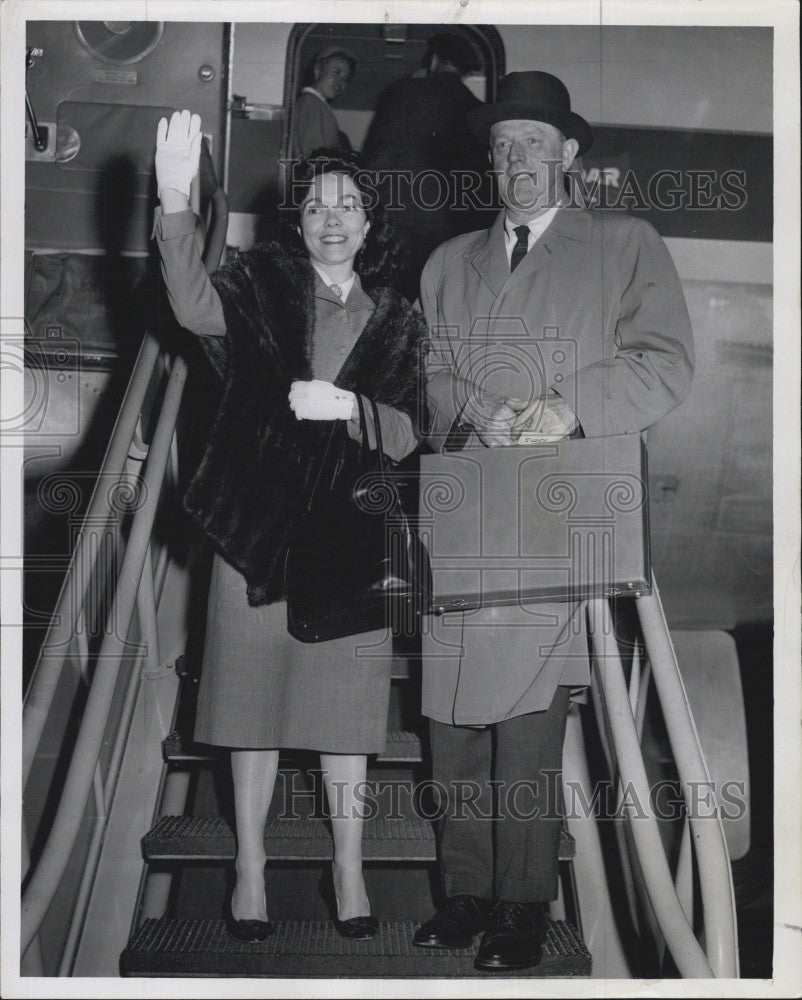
<point x="400" y="747"/>
<point x="172" y="946"/>
<point x="202" y="838"/>
<point x="293" y="839"/>
<point x="413" y="828"/>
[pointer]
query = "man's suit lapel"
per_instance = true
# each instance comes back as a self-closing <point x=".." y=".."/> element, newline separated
<point x="490" y="262"/>
<point x="567" y="226"/>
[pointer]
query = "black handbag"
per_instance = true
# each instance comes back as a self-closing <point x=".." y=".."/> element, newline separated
<point x="353" y="562"/>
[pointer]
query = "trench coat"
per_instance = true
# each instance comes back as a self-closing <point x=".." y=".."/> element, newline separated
<point x="595" y="311"/>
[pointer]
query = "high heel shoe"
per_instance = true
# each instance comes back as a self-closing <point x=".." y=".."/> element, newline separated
<point x="355" y="928"/>
<point x="250" y="931"/>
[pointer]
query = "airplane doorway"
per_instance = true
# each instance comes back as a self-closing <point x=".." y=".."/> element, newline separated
<point x="267" y="67"/>
<point x="384" y="53"/>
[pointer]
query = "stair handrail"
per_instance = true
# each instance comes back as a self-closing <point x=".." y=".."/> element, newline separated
<point x="145" y="665"/>
<point x="56" y="643"/>
<point x="55" y="646"/>
<point x="715" y="870"/>
<point x="63" y="833"/>
<point x="719" y="958"/>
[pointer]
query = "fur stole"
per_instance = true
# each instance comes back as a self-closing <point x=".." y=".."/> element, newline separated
<point x="260" y="461"/>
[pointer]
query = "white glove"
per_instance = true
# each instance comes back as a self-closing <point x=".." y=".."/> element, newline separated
<point x="177" y="151"/>
<point x="318" y="400"/>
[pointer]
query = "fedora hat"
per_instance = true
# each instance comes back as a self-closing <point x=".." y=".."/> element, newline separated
<point x="532" y="95"/>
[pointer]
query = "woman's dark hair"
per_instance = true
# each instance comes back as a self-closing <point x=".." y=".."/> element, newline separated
<point x="378" y="259"/>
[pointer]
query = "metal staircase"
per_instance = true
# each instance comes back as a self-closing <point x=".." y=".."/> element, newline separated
<point x="173" y="945"/>
<point x="313" y="949"/>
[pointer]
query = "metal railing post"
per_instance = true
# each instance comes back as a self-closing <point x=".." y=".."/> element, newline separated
<point x="32" y="961"/>
<point x="685" y="949"/>
<point x="596" y="916"/>
<point x="715" y="874"/>
<point x="176" y="783"/>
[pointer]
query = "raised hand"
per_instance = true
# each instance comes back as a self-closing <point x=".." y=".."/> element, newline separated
<point x="319" y="400"/>
<point x="177" y="152"/>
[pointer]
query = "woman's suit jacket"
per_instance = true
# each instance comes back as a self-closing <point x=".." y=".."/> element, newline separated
<point x="595" y="311"/>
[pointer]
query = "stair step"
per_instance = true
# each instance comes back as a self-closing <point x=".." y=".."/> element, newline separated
<point x="206" y="838"/>
<point x="176" y="947"/>
<point x="400" y="747"/>
<point x="180" y="749"/>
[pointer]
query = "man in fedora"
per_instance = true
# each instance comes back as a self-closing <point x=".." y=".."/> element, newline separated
<point x="555" y="322"/>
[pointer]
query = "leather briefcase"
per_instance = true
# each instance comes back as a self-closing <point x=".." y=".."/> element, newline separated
<point x="552" y="522"/>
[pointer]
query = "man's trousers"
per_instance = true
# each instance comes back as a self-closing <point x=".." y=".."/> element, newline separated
<point x="500" y="834"/>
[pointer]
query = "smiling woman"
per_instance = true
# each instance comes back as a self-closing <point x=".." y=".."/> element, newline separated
<point x="335" y="216"/>
<point x="314" y="124"/>
<point x="333" y="224"/>
<point x="290" y="321"/>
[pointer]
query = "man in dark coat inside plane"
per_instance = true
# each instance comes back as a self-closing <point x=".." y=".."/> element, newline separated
<point x="419" y="135"/>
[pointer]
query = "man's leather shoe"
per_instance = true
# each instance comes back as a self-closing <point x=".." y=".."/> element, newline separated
<point x="513" y="939"/>
<point x="455" y="924"/>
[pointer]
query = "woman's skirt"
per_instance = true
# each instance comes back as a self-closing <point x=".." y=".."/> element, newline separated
<point x="261" y="688"/>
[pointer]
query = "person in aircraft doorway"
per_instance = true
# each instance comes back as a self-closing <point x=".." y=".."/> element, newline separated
<point x="314" y="125"/>
<point x="431" y="169"/>
<point x="606" y="282"/>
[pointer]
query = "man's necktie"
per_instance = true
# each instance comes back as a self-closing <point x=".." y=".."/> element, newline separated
<point x="337" y="291"/>
<point x="521" y="246"/>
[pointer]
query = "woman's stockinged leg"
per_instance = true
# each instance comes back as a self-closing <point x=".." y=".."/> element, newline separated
<point x="342" y="774"/>
<point x="254" y="774"/>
